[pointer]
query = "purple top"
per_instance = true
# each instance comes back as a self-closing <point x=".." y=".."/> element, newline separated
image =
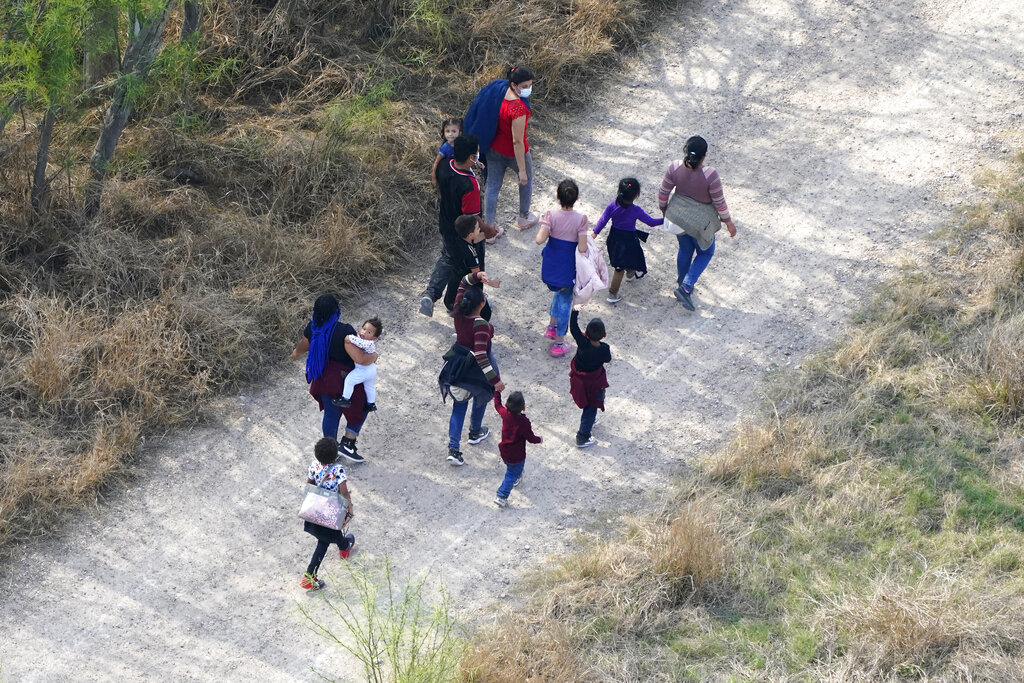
<point x="624" y="218"/>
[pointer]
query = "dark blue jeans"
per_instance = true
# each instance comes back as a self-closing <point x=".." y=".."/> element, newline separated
<point x="332" y="419"/>
<point x="458" y="418"/>
<point x="691" y="260"/>
<point x="512" y="472"/>
<point x="588" y="418"/>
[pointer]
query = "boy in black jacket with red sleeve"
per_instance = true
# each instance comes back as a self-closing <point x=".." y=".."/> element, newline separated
<point x="515" y="432"/>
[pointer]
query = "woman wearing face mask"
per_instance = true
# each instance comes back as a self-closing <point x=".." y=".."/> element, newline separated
<point x="498" y="117"/>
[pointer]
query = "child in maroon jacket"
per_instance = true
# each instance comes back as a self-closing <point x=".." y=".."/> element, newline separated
<point x="515" y="432"/>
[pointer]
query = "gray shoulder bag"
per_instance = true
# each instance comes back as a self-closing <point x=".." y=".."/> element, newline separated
<point x="697" y="219"/>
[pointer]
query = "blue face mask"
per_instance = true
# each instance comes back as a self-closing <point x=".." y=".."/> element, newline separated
<point x="525" y="92"/>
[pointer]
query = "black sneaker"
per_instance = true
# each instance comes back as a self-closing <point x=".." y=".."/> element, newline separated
<point x="585" y="443"/>
<point x="477" y="437"/>
<point x="684" y="298"/>
<point x="351" y="456"/>
<point x="347" y="450"/>
<point x="342" y="402"/>
<point x="427" y="306"/>
<point x="370" y="407"/>
<point x="455" y="457"/>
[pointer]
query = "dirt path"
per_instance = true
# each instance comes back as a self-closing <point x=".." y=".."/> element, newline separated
<point x="844" y="130"/>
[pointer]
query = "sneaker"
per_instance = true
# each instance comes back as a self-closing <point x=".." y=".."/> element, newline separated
<point x="518" y="481"/>
<point x="477" y="437"/>
<point x="492" y="240"/>
<point x="585" y="443"/>
<point x="684" y="298"/>
<point x="551" y="332"/>
<point x="427" y="306"/>
<point x="630" y="275"/>
<point x="347" y="450"/>
<point x="343" y="554"/>
<point x="311" y="583"/>
<point x="559" y="349"/>
<point x="370" y="407"/>
<point x="351" y="456"/>
<point x="524" y="222"/>
<point x="342" y="402"/>
<point x="501" y="502"/>
<point x="614" y="298"/>
<point x="455" y="457"/>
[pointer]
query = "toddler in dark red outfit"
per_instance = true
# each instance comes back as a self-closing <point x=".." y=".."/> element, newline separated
<point x="515" y="432"/>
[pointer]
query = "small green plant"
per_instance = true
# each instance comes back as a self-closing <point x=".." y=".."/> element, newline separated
<point x="366" y="114"/>
<point x="393" y="630"/>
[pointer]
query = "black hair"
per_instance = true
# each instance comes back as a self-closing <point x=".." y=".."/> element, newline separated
<point x="466" y="224"/>
<point x="519" y="74"/>
<point x="696" y="148"/>
<point x="471" y="298"/>
<point x="568" y="192"/>
<point x="377" y="325"/>
<point x="326" y="450"/>
<point x="629" y="189"/>
<point x="465" y="147"/>
<point x="324" y="307"/>
<point x="453" y="121"/>
<point x="595" y="330"/>
<point x="515" y="403"/>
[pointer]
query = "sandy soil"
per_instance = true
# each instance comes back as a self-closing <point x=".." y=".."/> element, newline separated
<point x="846" y="131"/>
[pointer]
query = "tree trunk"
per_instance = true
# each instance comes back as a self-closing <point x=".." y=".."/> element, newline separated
<point x="39" y="182"/>
<point x="134" y="68"/>
<point x="190" y="22"/>
<point x="101" y="53"/>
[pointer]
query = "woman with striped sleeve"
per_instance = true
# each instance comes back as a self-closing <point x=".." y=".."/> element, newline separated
<point x="689" y="177"/>
<point x="473" y="332"/>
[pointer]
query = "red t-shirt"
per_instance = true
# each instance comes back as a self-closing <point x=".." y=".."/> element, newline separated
<point x="510" y="110"/>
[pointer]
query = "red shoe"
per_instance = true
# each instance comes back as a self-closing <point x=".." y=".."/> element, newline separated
<point x="343" y="554"/>
<point x="311" y="583"/>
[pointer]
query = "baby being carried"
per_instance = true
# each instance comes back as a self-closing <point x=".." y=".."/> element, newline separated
<point x="365" y="374"/>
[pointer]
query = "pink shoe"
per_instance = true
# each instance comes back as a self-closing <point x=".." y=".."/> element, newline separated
<point x="559" y="349"/>
<point x="501" y="231"/>
<point x="550" y="332"/>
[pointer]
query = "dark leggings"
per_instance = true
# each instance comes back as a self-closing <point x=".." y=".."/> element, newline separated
<point x="324" y="538"/>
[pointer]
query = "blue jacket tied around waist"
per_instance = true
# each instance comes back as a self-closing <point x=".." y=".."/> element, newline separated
<point x="558" y="263"/>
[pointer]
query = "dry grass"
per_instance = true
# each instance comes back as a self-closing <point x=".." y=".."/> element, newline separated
<point x="633" y="588"/>
<point x="769" y="458"/>
<point x="910" y="628"/>
<point x="874" y="516"/>
<point x="521" y="652"/>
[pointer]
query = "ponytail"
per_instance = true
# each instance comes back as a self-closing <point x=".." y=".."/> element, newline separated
<point x="471" y="298"/>
<point x="694" y="151"/>
<point x="519" y="74"/>
<point x="629" y="189"/>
